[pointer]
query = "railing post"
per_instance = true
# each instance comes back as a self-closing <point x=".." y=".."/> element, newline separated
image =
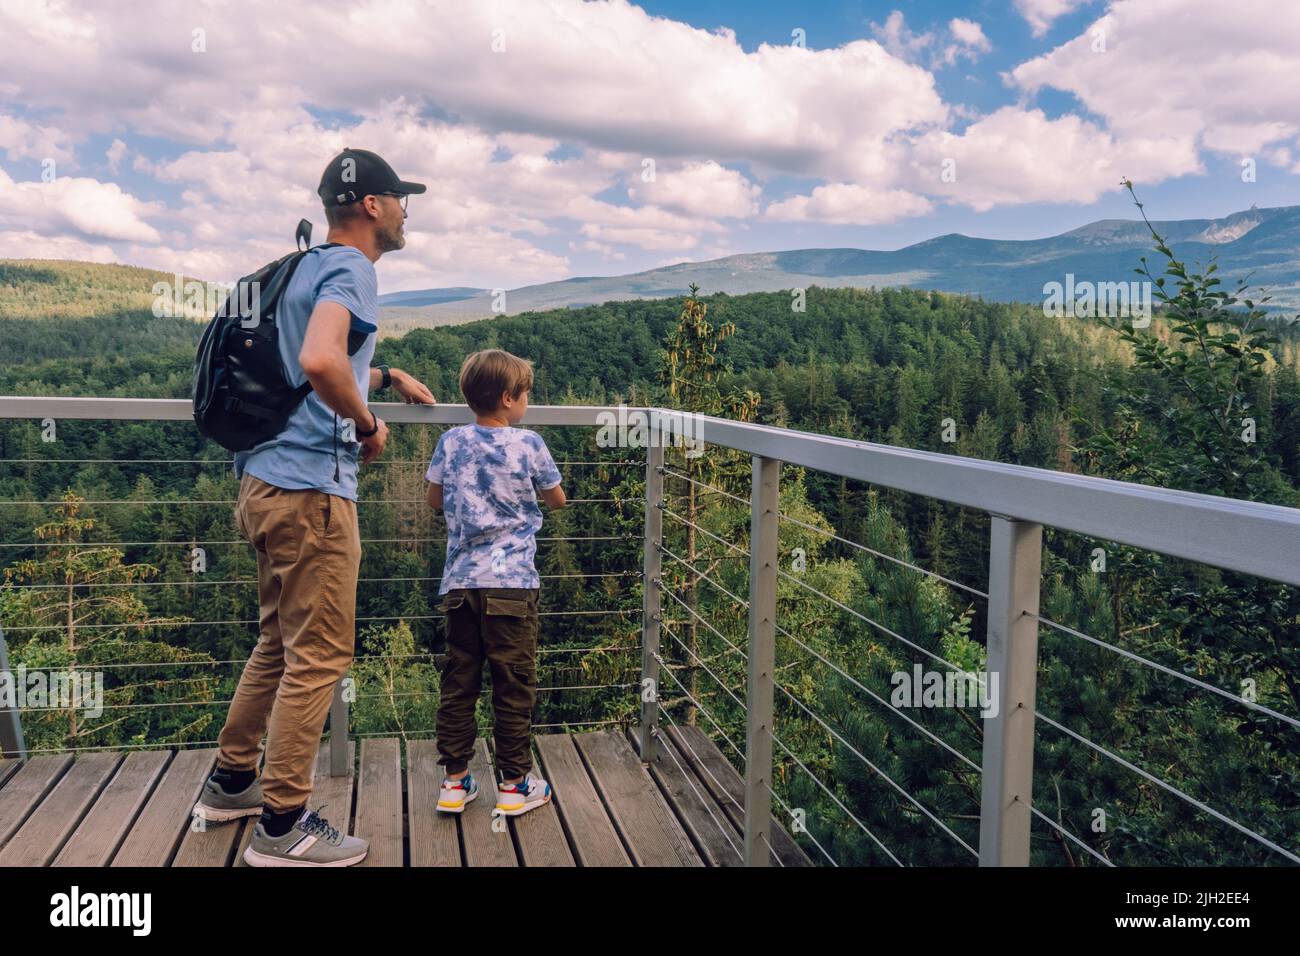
<point x="764" y="504"/>
<point x="11" y="725"/>
<point x="340" y="766"/>
<point x="651" y="598"/>
<point x="1015" y="567"/>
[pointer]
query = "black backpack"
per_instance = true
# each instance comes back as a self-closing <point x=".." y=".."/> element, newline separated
<point x="242" y="396"/>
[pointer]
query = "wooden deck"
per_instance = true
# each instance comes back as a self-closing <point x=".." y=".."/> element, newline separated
<point x="133" y="809"/>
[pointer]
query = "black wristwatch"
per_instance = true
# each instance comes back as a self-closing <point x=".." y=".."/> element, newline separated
<point x="361" y="434"/>
<point x="387" y="379"/>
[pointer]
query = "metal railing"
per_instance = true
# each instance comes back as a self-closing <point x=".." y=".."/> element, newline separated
<point x="1245" y="537"/>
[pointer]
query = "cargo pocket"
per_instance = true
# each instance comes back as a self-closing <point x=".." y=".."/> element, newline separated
<point x="526" y="673"/>
<point x="450" y="601"/>
<point x="508" y="607"/>
<point x="511" y="619"/>
<point x="440" y="660"/>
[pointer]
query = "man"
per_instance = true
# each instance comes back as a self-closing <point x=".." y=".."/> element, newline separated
<point x="297" y="506"/>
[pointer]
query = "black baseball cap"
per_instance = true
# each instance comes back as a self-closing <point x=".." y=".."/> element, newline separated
<point x="354" y="173"/>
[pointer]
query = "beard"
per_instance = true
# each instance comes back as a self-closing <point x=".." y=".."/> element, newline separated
<point x="392" y="238"/>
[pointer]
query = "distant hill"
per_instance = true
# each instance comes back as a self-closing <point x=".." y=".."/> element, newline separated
<point x="429" y="296"/>
<point x="54" y="309"/>
<point x="68" y="289"/>
<point x="1265" y="242"/>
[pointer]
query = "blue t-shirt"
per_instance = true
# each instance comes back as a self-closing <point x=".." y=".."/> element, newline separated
<point x="304" y="455"/>
<point x="487" y="477"/>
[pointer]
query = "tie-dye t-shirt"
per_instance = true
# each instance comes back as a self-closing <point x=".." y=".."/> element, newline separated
<point x="487" y="477"/>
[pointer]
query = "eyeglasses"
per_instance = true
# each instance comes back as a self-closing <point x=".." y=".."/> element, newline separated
<point x="401" y="198"/>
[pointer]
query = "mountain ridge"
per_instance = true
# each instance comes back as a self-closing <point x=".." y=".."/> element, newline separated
<point x="1262" y="243"/>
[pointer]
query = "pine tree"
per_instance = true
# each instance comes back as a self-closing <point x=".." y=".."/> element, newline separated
<point x="79" y="605"/>
<point x="693" y="378"/>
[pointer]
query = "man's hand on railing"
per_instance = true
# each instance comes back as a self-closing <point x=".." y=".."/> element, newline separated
<point x="411" y="388"/>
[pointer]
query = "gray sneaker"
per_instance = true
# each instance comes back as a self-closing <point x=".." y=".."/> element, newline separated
<point x="217" y="806"/>
<point x="311" y="841"/>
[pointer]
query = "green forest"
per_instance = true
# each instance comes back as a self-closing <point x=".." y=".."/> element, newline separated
<point x="119" y="550"/>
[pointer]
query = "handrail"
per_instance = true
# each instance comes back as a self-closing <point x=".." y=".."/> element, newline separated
<point x="1245" y="536"/>
<point x="180" y="409"/>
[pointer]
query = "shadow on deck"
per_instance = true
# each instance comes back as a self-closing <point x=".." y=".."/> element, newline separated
<point x="115" y="809"/>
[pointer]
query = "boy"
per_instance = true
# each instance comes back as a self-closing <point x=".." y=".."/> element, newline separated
<point x="482" y="477"/>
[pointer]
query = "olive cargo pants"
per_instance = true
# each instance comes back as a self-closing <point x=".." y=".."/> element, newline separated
<point x="499" y="625"/>
<point x="308" y="556"/>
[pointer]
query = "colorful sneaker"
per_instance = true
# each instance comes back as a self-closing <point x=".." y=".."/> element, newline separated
<point x="516" y="798"/>
<point x="456" y="793"/>
<point x="217" y="806"/>
<point x="311" y="841"/>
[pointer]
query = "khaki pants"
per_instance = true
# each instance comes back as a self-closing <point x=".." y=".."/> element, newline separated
<point x="308" y="557"/>
<point x="499" y="625"/>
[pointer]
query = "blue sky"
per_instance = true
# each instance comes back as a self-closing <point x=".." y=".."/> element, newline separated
<point x="180" y="140"/>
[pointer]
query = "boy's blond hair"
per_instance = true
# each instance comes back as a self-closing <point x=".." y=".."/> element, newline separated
<point x="488" y="374"/>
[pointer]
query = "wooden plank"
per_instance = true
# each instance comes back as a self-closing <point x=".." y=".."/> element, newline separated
<point x="212" y="843"/>
<point x="435" y="837"/>
<point x="539" y="835"/>
<point x="162" y="824"/>
<point x="595" y="840"/>
<point x="209" y="844"/>
<point x="245" y="838"/>
<point x="379" y="801"/>
<point x="109" y="821"/>
<point x="27" y="789"/>
<point x="8" y="767"/>
<point x="648" y="827"/>
<point x="332" y="796"/>
<point x="40" y="839"/>
<point x="487" y="838"/>
<point x="723" y="782"/>
<point x="712" y="833"/>
<point x="717" y="775"/>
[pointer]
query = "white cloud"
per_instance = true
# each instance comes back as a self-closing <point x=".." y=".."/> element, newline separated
<point x="1178" y="76"/>
<point x="1018" y="156"/>
<point x="114" y="154"/>
<point x="600" y="248"/>
<point x="970" y="41"/>
<point x="85" y="207"/>
<point x="47" y="20"/>
<point x="1040" y="14"/>
<point x="966" y="40"/>
<point x="969" y="33"/>
<point x="850" y="204"/>
<point x="607" y="75"/>
<point x="699" y="189"/>
<point x="23" y="140"/>
<point x="898" y="38"/>
<point x="27" y="244"/>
